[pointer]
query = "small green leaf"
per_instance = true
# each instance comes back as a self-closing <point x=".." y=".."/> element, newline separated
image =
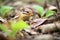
<point x="40" y="1"/>
<point x="49" y="13"/>
<point x="18" y="26"/>
<point x="5" y="9"/>
<point x="39" y="9"/>
<point x="3" y="28"/>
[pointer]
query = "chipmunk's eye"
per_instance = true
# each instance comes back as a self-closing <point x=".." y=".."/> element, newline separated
<point x="26" y="12"/>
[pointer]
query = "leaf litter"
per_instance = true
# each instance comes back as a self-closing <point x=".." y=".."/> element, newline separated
<point x="45" y="25"/>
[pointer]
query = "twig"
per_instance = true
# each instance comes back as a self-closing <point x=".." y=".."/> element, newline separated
<point x="57" y="4"/>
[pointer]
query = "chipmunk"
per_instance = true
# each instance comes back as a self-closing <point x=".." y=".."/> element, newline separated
<point x="24" y="13"/>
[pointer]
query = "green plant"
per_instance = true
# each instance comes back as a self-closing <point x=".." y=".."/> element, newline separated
<point x="41" y="11"/>
<point x="15" y="27"/>
<point x="4" y="10"/>
<point x="19" y="25"/>
<point x="3" y="28"/>
<point x="49" y="13"/>
<point x="39" y="1"/>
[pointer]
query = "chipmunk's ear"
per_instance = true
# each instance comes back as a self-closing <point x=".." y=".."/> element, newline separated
<point x="22" y="9"/>
<point x="18" y="12"/>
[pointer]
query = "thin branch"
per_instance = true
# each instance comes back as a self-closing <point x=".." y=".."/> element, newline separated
<point x="57" y="4"/>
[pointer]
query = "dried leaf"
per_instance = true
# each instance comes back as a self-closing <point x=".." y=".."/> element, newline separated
<point x="37" y="22"/>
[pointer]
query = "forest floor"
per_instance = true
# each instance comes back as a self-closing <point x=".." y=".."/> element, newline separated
<point x="40" y="28"/>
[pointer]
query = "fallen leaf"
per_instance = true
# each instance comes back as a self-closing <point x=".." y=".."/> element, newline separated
<point x="36" y="22"/>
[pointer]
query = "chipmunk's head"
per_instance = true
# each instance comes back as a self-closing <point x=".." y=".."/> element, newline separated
<point x="24" y="13"/>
